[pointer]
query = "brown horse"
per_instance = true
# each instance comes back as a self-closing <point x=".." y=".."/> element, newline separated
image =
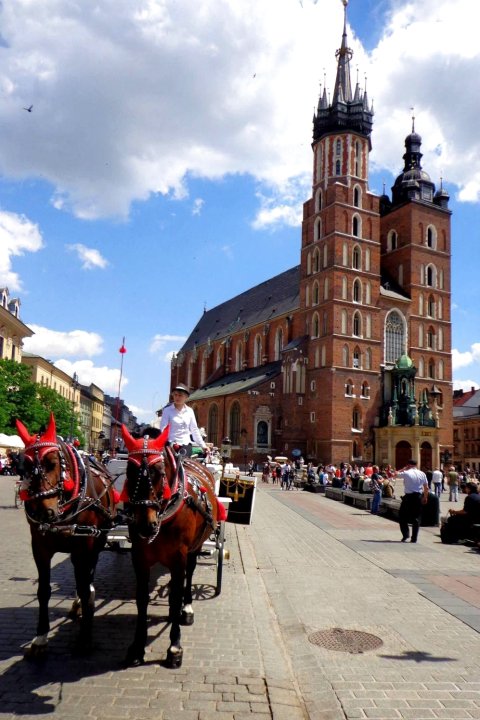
<point x="173" y="510"/>
<point x="69" y="504"/>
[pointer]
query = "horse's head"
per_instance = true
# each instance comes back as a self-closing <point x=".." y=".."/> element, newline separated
<point x="147" y="487"/>
<point x="44" y="478"/>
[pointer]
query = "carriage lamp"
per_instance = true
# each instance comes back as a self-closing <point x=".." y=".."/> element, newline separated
<point x="226" y="449"/>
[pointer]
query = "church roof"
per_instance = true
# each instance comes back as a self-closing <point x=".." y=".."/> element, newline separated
<point x="238" y="382"/>
<point x="265" y="302"/>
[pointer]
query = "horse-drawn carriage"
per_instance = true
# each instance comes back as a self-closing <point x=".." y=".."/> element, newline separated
<point x="70" y="504"/>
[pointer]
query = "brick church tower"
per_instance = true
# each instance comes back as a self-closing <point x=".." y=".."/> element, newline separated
<point x="346" y="357"/>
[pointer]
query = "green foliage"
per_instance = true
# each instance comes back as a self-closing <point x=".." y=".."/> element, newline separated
<point x="31" y="403"/>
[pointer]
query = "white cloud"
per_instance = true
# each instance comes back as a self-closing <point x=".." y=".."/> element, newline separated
<point x="89" y="257"/>
<point x="18" y="235"/>
<point x="105" y="378"/>
<point x="158" y="342"/>
<point x="198" y="204"/>
<point x="169" y="90"/>
<point x="55" y="344"/>
<point x="465" y="385"/>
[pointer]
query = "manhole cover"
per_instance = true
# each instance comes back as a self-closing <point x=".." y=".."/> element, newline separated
<point x="351" y="641"/>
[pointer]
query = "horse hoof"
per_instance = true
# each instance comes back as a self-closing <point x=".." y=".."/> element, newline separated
<point x="187" y="618"/>
<point x="35" y="653"/>
<point x="174" y="657"/>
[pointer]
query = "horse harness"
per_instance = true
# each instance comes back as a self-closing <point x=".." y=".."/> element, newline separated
<point x="169" y="499"/>
<point x="75" y="489"/>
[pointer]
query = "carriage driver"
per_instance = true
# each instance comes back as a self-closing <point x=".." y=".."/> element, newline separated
<point x="182" y="421"/>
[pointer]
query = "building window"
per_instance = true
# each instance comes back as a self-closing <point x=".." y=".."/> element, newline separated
<point x="316" y="260"/>
<point x="357" y="324"/>
<point x="430" y="276"/>
<point x="325" y="289"/>
<point x="431" y="369"/>
<point x="394" y="337"/>
<point x="431" y="237"/>
<point x="262" y="434"/>
<point x="344" y="288"/>
<point x="315" y="294"/>
<point x="312" y="417"/>
<point x="365" y="390"/>
<point x="368" y="359"/>
<point x="349" y="388"/>
<point x="309" y="264"/>
<point x="317" y="230"/>
<point x="212" y="427"/>
<point x="392" y="240"/>
<point x="318" y="200"/>
<point x="356" y="226"/>
<point x="235" y="423"/>
<point x="338" y="167"/>
<point x="357" y="258"/>
<point x="345" y="356"/>
<point x="238" y="357"/>
<point x="356" y="419"/>
<point x="356" y="359"/>
<point x="257" y="351"/>
<point x="356" y="196"/>
<point x="344" y="318"/>
<point x="357" y="291"/>
<point x="313" y="386"/>
<point x="278" y="343"/>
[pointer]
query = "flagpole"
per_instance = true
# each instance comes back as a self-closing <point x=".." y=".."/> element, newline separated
<point x="122" y="352"/>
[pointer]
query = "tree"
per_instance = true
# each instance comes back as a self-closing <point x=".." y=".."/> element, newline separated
<point x="21" y="398"/>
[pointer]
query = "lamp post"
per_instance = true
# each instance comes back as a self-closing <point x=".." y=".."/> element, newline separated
<point x="74" y="388"/>
<point x="243" y="434"/>
<point x="226" y="452"/>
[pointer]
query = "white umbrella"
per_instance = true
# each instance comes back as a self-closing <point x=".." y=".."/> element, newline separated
<point x="11" y="441"/>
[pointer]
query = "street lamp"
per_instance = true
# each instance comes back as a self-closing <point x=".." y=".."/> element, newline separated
<point x="226" y="452"/>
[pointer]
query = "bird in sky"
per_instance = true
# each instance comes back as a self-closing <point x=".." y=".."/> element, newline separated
<point x="29" y="109"/>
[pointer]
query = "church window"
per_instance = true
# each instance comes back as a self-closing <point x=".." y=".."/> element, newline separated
<point x="357" y="196"/>
<point x="239" y="357"/>
<point x="325" y="289"/>
<point x="318" y="200"/>
<point x="317" y="230"/>
<point x="392" y="240"/>
<point x="394" y="337"/>
<point x="358" y="159"/>
<point x="440" y="338"/>
<point x="309" y="264"/>
<point x="338" y="168"/>
<point x="319" y="158"/>
<point x="278" y="343"/>
<point x="357" y="291"/>
<point x="219" y="357"/>
<point x="368" y="359"/>
<point x="367" y="260"/>
<point x="368" y="325"/>
<point x="323" y="356"/>
<point x="338" y="147"/>
<point x="357" y="324"/>
<point x="365" y="389"/>
<point x="420" y="336"/>
<point x="345" y="356"/>
<point x="431" y="338"/>
<point x="420" y="304"/>
<point x="235" y="423"/>
<point x="316" y="260"/>
<point x="356" y="419"/>
<point x="325" y="255"/>
<point x="368" y="293"/>
<point x="440" y="370"/>
<point x="262" y="434"/>
<point x="344" y="322"/>
<point x="316" y="361"/>
<point x="440" y="279"/>
<point x="430" y="276"/>
<point x="431" y="237"/>
<point x="356" y="226"/>
<point x="257" y="351"/>
<point x="421" y="368"/>
<point x="315" y="326"/>
<point x="345" y="254"/>
<point x="307" y="296"/>
<point x="344" y="288"/>
<point x="431" y="369"/>
<point x="431" y="306"/>
<point x="212" y="427"/>
<point x="315" y="293"/>
<point x="357" y="258"/>
<point x="349" y="388"/>
<point x="440" y="308"/>
<point x="356" y="359"/>
<point x="203" y="370"/>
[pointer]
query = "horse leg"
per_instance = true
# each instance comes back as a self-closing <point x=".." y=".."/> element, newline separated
<point x="187" y="611"/>
<point x="175" y="651"/>
<point x="136" y="651"/>
<point x="84" y="564"/>
<point x="38" y="646"/>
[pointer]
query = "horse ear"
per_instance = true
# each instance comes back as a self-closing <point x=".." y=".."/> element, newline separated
<point x="130" y="442"/>
<point x="27" y="439"/>
<point x="159" y="442"/>
<point x="50" y="434"/>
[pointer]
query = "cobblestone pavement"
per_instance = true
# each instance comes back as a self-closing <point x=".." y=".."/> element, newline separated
<point x="305" y="565"/>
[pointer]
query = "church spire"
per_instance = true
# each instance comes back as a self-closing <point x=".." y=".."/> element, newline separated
<point x="345" y="111"/>
<point x="343" y="87"/>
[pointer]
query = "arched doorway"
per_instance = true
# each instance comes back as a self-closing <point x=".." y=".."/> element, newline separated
<point x="403" y="453"/>
<point x="426" y="456"/>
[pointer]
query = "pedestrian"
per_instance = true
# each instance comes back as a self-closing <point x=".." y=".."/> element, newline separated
<point x="461" y="522"/>
<point x="452" y="482"/>
<point x="416" y="494"/>
<point x="437" y="480"/>
<point x="376" y="486"/>
<point x="266" y="472"/>
<point x="181" y="419"/>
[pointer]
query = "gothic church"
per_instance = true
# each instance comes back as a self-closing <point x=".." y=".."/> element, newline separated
<point x="347" y="356"/>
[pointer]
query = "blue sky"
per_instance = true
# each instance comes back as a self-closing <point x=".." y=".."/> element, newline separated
<point x="167" y="156"/>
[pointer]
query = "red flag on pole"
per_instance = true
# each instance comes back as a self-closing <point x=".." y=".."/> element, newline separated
<point x="123" y="349"/>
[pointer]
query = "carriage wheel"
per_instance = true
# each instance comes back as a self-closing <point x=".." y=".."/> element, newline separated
<point x="220" y="549"/>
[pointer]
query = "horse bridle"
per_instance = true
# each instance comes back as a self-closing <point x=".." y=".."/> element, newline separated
<point x="149" y="457"/>
<point x="39" y="473"/>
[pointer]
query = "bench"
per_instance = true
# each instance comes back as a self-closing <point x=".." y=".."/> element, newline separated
<point x="357" y="499"/>
<point x="390" y="506"/>
<point x="334" y="493"/>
